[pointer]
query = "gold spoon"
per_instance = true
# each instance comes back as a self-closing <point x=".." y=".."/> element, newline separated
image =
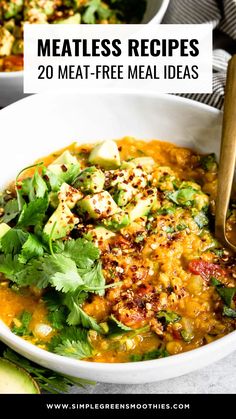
<point x="227" y="156"/>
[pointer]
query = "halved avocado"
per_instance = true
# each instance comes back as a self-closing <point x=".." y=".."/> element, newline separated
<point x="15" y="380"/>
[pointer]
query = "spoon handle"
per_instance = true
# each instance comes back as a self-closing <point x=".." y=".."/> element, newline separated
<point x="227" y="153"/>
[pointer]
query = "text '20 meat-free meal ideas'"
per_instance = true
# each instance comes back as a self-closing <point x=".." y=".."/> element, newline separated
<point x="107" y="253"/>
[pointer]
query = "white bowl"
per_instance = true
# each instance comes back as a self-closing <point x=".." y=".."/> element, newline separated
<point x="41" y="124"/>
<point x="11" y="84"/>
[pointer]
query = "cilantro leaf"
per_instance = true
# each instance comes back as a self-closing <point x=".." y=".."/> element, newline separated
<point x="201" y="219"/>
<point x="183" y="197"/>
<point x="53" y="299"/>
<point x="33" y="213"/>
<point x="83" y="252"/>
<point x="229" y="312"/>
<point x="34" y="187"/>
<point x="13" y="241"/>
<point x="95" y="9"/>
<point x="77" y="315"/>
<point x="23" y="329"/>
<point x="57" y="318"/>
<point x="36" y="272"/>
<point x="66" y="277"/>
<point x="227" y="294"/>
<point x="11" y="210"/>
<point x="9" y="265"/>
<point x="119" y="324"/>
<point x="72" y="342"/>
<point x="94" y="279"/>
<point x="168" y="316"/>
<point x="155" y="354"/>
<point x="31" y="248"/>
<point x="78" y="350"/>
<point x="57" y="312"/>
<point x="187" y="336"/>
<point x="208" y="162"/>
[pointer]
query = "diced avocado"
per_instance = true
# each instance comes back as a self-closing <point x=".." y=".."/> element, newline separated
<point x="6" y="42"/>
<point x="145" y="163"/>
<point x="69" y="195"/>
<point x="117" y="221"/>
<point x="98" y="206"/>
<point x="9" y="24"/>
<point x="90" y="180"/>
<point x="18" y="47"/>
<point x="75" y="19"/>
<point x="65" y="158"/>
<point x="61" y="222"/>
<point x="12" y="8"/>
<point x="134" y="177"/>
<point x="124" y="194"/>
<point x="15" y="380"/>
<point x="53" y="199"/>
<point x="142" y="206"/>
<point x="99" y="234"/>
<point x="4" y="228"/>
<point x="106" y="155"/>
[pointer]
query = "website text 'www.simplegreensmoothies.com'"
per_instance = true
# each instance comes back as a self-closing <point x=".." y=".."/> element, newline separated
<point x="117" y="406"/>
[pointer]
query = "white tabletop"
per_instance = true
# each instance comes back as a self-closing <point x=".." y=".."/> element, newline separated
<point x="216" y="378"/>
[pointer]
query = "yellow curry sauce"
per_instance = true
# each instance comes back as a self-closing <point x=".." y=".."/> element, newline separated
<point x="163" y="265"/>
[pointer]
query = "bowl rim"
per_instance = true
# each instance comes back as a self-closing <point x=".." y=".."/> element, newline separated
<point x="32" y="351"/>
<point x="49" y="357"/>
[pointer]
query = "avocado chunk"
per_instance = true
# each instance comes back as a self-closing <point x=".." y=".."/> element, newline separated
<point x="75" y="19"/>
<point x="12" y="8"/>
<point x="69" y="195"/>
<point x="142" y="205"/>
<point x="134" y="177"/>
<point x="90" y="180"/>
<point x="145" y="163"/>
<point x="65" y="159"/>
<point x="124" y="194"/>
<point x="61" y="222"/>
<point x="117" y="221"/>
<point x="15" y="380"/>
<point x="4" y="228"/>
<point x="106" y="155"/>
<point x="6" y="42"/>
<point x="98" y="206"/>
<point x="99" y="234"/>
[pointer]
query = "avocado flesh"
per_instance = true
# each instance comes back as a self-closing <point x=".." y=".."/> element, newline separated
<point x="142" y="206"/>
<point x="98" y="234"/>
<point x="6" y="42"/>
<point x="69" y="195"/>
<point x="15" y="380"/>
<point x="117" y="221"/>
<point x="75" y="19"/>
<point x="65" y="159"/>
<point x="145" y="163"/>
<point x="63" y="220"/>
<point x="100" y="205"/>
<point x="4" y="228"/>
<point x="90" y="180"/>
<point x="106" y="155"/>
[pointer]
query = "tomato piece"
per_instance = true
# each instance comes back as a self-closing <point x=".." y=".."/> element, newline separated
<point x="207" y="270"/>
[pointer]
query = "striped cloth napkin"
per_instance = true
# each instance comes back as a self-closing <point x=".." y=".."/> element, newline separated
<point x="222" y="14"/>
